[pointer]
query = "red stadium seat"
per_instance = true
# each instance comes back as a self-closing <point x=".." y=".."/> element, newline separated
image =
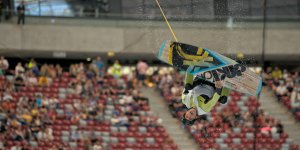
<point x="298" y="116"/>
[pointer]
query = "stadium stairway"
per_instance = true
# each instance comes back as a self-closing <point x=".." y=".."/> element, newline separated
<point x="278" y="111"/>
<point x="180" y="136"/>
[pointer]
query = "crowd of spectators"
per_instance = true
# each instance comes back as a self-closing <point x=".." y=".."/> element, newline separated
<point x="223" y="117"/>
<point x="286" y="86"/>
<point x="26" y="118"/>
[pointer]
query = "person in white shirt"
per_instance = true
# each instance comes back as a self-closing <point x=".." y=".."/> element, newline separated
<point x="19" y="69"/>
<point x="295" y="99"/>
<point x="97" y="146"/>
<point x="281" y="90"/>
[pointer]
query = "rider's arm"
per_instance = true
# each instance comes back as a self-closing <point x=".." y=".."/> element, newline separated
<point x="188" y="82"/>
<point x="225" y="91"/>
<point x="188" y="78"/>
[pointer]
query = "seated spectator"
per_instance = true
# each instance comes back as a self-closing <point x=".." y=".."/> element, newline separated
<point x="35" y="112"/>
<point x="7" y="97"/>
<point x="76" y="135"/>
<point x="38" y="100"/>
<point x="295" y="99"/>
<point x="114" y="120"/>
<point x="17" y="135"/>
<point x="35" y="127"/>
<point x="289" y="85"/>
<point x="296" y="78"/>
<point x="43" y="81"/>
<point x="97" y="146"/>
<point x="78" y="88"/>
<point x="279" y="127"/>
<point x="6" y="105"/>
<point x="31" y="79"/>
<point x="277" y="73"/>
<point x="266" y="130"/>
<point x="281" y="90"/>
<point x="276" y="83"/>
<point x="285" y="74"/>
<point x="27" y="117"/>
<point x="123" y="120"/>
<point x="267" y="75"/>
<point x="19" y="82"/>
<point x="42" y="136"/>
<point x="126" y="99"/>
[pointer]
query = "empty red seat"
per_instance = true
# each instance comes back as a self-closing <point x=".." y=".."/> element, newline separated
<point x="294" y="147"/>
<point x="132" y="128"/>
<point x="298" y="116"/>
<point x="129" y="134"/>
<point x="284" y="135"/>
<point x="228" y="140"/>
<point x="140" y="140"/>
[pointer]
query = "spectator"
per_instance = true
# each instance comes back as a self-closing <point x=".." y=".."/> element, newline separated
<point x="19" y="70"/>
<point x="142" y="68"/>
<point x="266" y="130"/>
<point x="27" y="117"/>
<point x="100" y="66"/>
<point x="277" y="73"/>
<point x="97" y="146"/>
<point x="295" y="99"/>
<point x="79" y="88"/>
<point x="80" y="68"/>
<point x="114" y="120"/>
<point x="45" y="134"/>
<point x="31" y="79"/>
<point x="18" y="135"/>
<point x="21" y="13"/>
<point x="281" y="90"/>
<point x="52" y="71"/>
<point x="123" y="120"/>
<point x="289" y="84"/>
<point x="126" y="99"/>
<point x="285" y="74"/>
<point x="279" y="127"/>
<point x="44" y="70"/>
<point x="19" y="82"/>
<point x="4" y="65"/>
<point x="72" y="70"/>
<point x="38" y="100"/>
<point x="43" y="81"/>
<point x="116" y="69"/>
<point x="76" y="135"/>
<point x="296" y="77"/>
<point x="59" y="70"/>
<point x="7" y="97"/>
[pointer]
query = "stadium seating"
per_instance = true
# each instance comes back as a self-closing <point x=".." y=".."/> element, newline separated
<point x="289" y="82"/>
<point x="135" y="135"/>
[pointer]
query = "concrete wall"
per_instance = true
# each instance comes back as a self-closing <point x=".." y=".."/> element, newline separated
<point x="141" y="37"/>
